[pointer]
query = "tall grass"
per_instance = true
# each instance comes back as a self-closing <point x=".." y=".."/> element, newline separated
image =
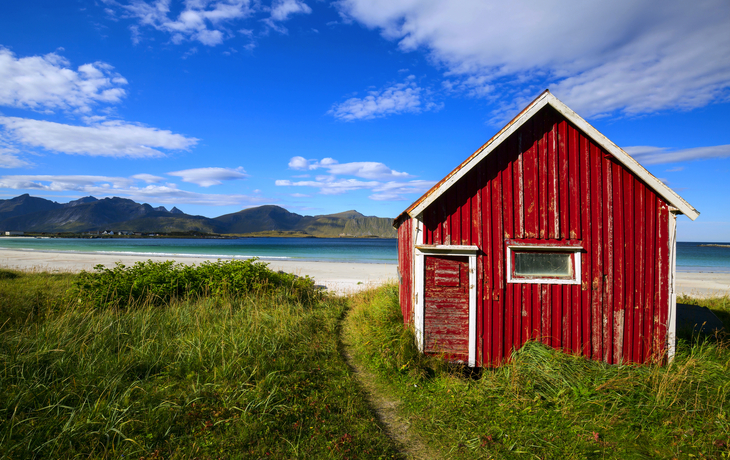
<point x="546" y="404"/>
<point x="256" y="375"/>
<point x="26" y="296"/>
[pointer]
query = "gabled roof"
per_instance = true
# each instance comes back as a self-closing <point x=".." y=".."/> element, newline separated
<point x="547" y="98"/>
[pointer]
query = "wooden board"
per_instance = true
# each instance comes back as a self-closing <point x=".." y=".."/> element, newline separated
<point x="446" y="307"/>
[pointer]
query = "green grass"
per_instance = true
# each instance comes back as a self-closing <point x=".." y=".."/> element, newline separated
<point x="232" y="360"/>
<point x="250" y="375"/>
<point x="546" y="404"/>
<point x="26" y="296"/>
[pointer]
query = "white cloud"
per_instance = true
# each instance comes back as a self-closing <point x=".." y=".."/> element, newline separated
<point x="106" y="186"/>
<point x="406" y="97"/>
<point x="365" y="169"/>
<point x="362" y="169"/>
<point x="300" y="163"/>
<point x="209" y="22"/>
<point x="394" y="191"/>
<point x="110" y="138"/>
<point x="149" y="178"/>
<point x="383" y="191"/>
<point x="281" y="10"/>
<point x="46" y="83"/>
<point x="656" y="155"/>
<point x="631" y="56"/>
<point x="10" y="160"/>
<point x="201" y="20"/>
<point x="65" y="183"/>
<point x="331" y="187"/>
<point x="387" y="184"/>
<point x="8" y="156"/>
<point x="205" y="177"/>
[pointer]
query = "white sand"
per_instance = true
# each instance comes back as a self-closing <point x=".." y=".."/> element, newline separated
<point x="703" y="284"/>
<point x="339" y="277"/>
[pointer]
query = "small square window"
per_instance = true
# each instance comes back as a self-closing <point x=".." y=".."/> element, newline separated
<point x="546" y="263"/>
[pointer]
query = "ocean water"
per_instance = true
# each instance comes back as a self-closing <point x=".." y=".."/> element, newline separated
<point x="364" y="250"/>
<point x="694" y="257"/>
<point x="690" y="256"/>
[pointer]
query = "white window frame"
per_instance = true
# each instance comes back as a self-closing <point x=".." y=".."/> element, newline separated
<point x="574" y="250"/>
<point x="422" y="250"/>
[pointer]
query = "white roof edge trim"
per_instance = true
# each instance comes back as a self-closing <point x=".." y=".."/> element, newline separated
<point x="548" y="98"/>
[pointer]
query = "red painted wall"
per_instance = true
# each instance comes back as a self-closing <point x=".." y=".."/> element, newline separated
<point x="549" y="181"/>
<point x="405" y="269"/>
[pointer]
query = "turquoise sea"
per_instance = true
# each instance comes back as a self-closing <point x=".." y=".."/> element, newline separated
<point x="690" y="256"/>
<point x="363" y="250"/>
<point x="694" y="257"/>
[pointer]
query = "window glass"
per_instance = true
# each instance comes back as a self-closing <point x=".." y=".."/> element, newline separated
<point x="542" y="264"/>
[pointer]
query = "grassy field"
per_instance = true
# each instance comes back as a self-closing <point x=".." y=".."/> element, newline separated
<point x="90" y="370"/>
<point x="546" y="404"/>
<point x="232" y="360"/>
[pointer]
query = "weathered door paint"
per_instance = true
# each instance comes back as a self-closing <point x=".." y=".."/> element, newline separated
<point x="446" y="306"/>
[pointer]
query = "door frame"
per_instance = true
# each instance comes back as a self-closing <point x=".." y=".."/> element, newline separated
<point x="423" y="250"/>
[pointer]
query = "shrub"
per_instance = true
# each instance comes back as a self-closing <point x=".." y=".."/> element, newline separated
<point x="157" y="283"/>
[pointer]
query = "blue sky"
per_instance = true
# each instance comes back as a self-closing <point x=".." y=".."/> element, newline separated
<point x="321" y="107"/>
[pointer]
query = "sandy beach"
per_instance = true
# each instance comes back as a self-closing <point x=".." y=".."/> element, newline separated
<point x="338" y="277"/>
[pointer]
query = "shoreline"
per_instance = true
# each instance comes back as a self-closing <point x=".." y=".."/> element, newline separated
<point x="338" y="277"/>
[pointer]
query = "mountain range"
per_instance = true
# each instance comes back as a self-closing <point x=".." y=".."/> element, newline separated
<point x="32" y="214"/>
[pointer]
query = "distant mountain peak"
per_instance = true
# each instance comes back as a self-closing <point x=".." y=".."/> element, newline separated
<point x="80" y="201"/>
<point x="351" y="214"/>
<point x="32" y="214"/>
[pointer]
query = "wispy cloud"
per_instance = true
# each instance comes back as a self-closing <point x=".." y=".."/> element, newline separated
<point x="148" y="178"/>
<point x="625" y="56"/>
<point x="9" y="156"/>
<point x="209" y="22"/>
<point x="282" y="10"/>
<point x="47" y="83"/>
<point x="109" y="139"/>
<point x="387" y="183"/>
<point x="406" y="97"/>
<point x="205" y="177"/>
<point x="656" y="155"/>
<point x="362" y="169"/>
<point x="107" y="186"/>
<point x="203" y="21"/>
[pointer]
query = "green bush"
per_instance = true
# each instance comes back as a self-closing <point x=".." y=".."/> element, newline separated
<point x="157" y="283"/>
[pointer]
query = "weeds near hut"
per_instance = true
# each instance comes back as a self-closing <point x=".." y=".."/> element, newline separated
<point x="547" y="404"/>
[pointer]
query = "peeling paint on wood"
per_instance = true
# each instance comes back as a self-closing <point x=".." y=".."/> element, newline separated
<point x="446" y="306"/>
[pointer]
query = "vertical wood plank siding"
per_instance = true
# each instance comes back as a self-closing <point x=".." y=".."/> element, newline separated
<point x="549" y="181"/>
<point x="405" y="269"/>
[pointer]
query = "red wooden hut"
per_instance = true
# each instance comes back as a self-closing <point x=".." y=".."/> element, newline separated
<point x="548" y="232"/>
